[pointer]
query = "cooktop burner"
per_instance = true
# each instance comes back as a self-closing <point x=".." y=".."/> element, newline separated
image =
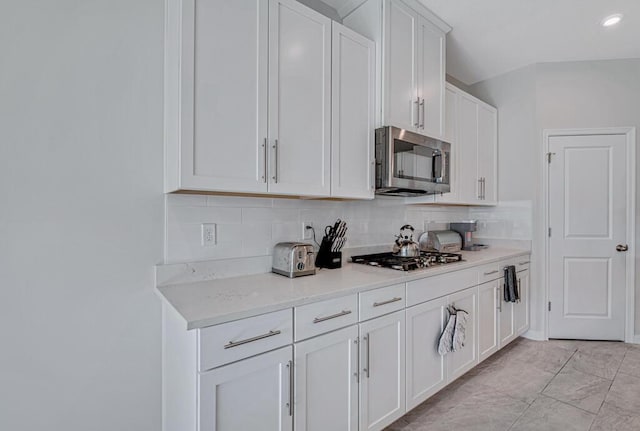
<point x="390" y="260"/>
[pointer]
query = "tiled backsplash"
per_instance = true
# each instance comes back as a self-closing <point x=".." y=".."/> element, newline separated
<point x="248" y="227"/>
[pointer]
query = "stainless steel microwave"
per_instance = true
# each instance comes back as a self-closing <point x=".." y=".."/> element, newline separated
<point x="409" y="164"/>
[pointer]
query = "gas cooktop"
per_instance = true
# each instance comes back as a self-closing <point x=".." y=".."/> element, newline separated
<point x="400" y="263"/>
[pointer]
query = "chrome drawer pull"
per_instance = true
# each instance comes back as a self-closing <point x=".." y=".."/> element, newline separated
<point x="378" y="304"/>
<point x="492" y="272"/>
<point x="524" y="263"/>
<point x="252" y="339"/>
<point x="333" y="316"/>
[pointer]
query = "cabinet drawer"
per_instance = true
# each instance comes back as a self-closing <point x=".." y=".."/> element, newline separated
<point x="374" y="303"/>
<point x="229" y="342"/>
<point x="320" y="317"/>
<point x="491" y="272"/>
<point x="521" y="263"/>
<point x="440" y="285"/>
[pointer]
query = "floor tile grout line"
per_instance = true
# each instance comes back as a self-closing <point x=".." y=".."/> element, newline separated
<point x="569" y="404"/>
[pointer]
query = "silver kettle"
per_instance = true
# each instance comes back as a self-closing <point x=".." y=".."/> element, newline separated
<point x="405" y="246"/>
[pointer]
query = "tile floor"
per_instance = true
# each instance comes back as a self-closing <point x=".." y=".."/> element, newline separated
<point x="540" y="385"/>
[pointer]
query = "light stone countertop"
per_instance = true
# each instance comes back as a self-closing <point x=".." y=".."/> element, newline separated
<point x="207" y="303"/>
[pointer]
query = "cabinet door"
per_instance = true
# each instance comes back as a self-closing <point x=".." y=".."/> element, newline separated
<point x="426" y="368"/>
<point x="382" y="365"/>
<point x="466" y="358"/>
<point x="353" y="102"/>
<point x="223" y="96"/>
<point x="431" y="55"/>
<point x="450" y="135"/>
<point x="521" y="309"/>
<point x="252" y="394"/>
<point x="488" y="319"/>
<point x="299" y="99"/>
<point x="326" y="389"/>
<point x="505" y="319"/>
<point x="400" y="82"/>
<point x="469" y="180"/>
<point x="487" y="153"/>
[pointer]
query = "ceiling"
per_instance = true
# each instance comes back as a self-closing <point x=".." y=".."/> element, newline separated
<point x="491" y="37"/>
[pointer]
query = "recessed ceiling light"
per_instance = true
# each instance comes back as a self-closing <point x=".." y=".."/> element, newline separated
<point x="612" y="20"/>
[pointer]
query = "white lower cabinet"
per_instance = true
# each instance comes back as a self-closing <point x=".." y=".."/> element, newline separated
<point x="461" y="361"/>
<point x="521" y="309"/>
<point x="488" y="297"/>
<point x="252" y="394"/>
<point x="426" y="368"/>
<point x="382" y="371"/>
<point x="326" y="382"/>
<point x="506" y="328"/>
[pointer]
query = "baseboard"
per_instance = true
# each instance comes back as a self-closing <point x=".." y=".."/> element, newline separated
<point x="535" y="335"/>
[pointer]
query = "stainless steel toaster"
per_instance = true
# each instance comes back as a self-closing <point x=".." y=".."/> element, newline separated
<point x="293" y="259"/>
<point x="445" y="241"/>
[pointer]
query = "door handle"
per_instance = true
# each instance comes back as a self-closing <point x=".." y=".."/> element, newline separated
<point x="621" y="247"/>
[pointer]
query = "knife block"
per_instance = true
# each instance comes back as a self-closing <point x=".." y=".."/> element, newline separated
<point x="327" y="258"/>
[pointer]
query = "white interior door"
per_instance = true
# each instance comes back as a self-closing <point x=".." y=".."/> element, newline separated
<point x="588" y="220"/>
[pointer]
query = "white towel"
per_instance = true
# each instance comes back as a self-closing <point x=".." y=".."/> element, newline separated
<point x="445" y="345"/>
<point x="459" y="332"/>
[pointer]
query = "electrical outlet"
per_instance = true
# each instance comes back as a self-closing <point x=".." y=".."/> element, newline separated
<point x="307" y="234"/>
<point x="208" y="234"/>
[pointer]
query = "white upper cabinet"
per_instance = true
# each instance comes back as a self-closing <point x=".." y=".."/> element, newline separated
<point x="216" y="95"/>
<point x="471" y="127"/>
<point x="248" y="100"/>
<point x="401" y="63"/>
<point x="353" y="104"/>
<point x="299" y="99"/>
<point x="411" y="43"/>
<point x="431" y="78"/>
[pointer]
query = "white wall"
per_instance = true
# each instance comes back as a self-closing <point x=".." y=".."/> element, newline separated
<point x="555" y="95"/>
<point x="81" y="212"/>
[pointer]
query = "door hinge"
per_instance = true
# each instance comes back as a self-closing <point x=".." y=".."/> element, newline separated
<point x="549" y="305"/>
<point x="549" y="157"/>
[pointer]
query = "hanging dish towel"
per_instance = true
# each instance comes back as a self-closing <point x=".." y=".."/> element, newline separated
<point x="445" y="345"/>
<point x="460" y="330"/>
<point x="510" y="284"/>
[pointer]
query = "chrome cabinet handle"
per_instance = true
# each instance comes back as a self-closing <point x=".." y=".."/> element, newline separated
<point x="275" y="170"/>
<point x="389" y="301"/>
<point x="416" y="123"/>
<point x="519" y="290"/>
<point x="524" y="263"/>
<point x="290" y="403"/>
<point x="421" y="117"/>
<point x="621" y="247"/>
<point x="479" y="189"/>
<point x="368" y="340"/>
<point x="373" y="174"/>
<point x="491" y="272"/>
<point x="333" y="316"/>
<point x="499" y="290"/>
<point x="264" y="151"/>
<point x="231" y="344"/>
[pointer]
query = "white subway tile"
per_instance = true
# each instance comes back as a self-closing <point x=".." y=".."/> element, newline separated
<point x="239" y="202"/>
<point x="204" y="215"/>
<point x="174" y="200"/>
<point x="269" y="215"/>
